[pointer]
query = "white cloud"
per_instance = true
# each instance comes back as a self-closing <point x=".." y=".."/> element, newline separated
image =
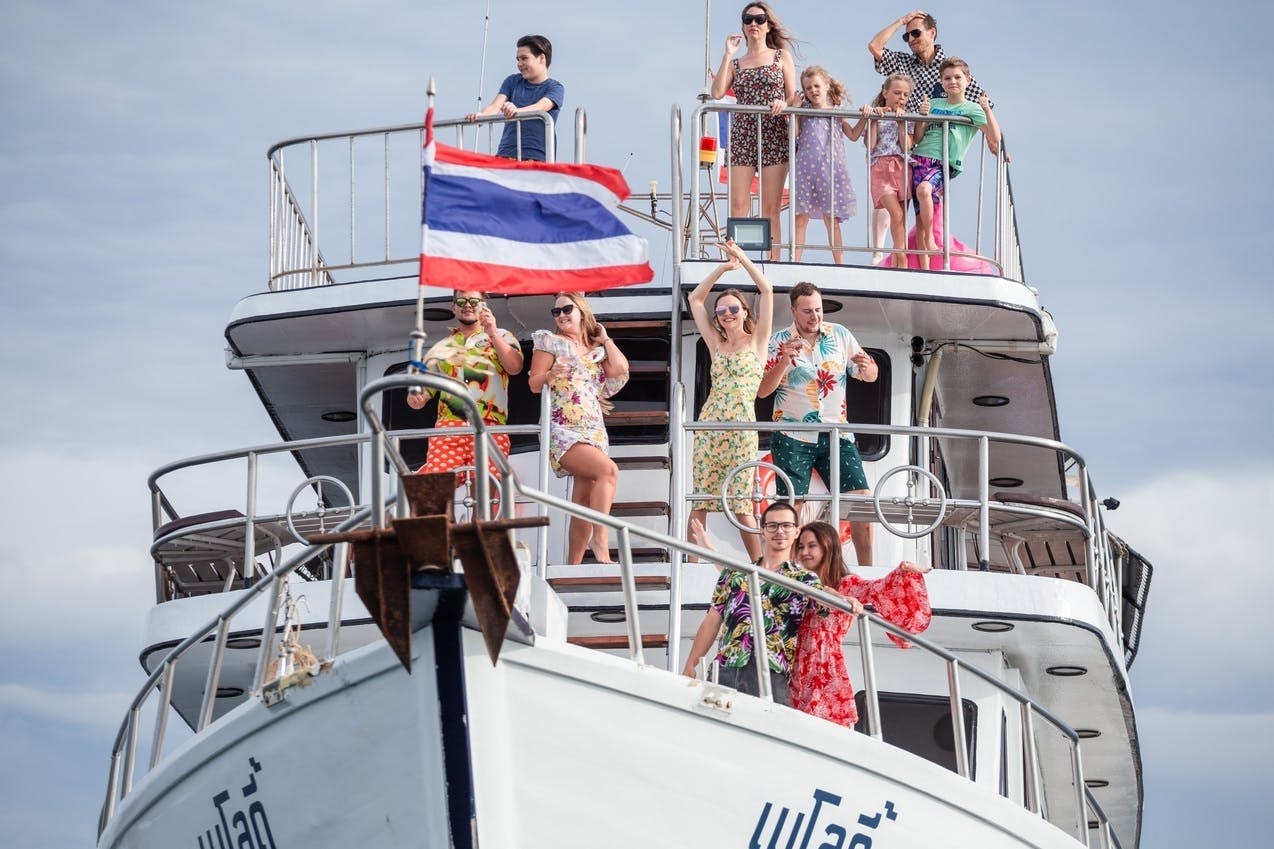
<point x="1205" y="531"/>
<point x="98" y="710"/>
<point x="1207" y="777"/>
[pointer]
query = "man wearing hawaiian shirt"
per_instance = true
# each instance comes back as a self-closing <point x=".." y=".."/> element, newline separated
<point x="482" y="356"/>
<point x="782" y="611"/>
<point x="809" y="365"/>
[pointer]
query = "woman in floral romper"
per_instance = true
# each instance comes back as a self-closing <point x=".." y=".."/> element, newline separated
<point x="764" y="76"/>
<point x="820" y="682"/>
<point x="736" y="338"/>
<point x="581" y="366"/>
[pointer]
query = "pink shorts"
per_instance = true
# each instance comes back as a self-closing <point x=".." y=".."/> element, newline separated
<point x="888" y="177"/>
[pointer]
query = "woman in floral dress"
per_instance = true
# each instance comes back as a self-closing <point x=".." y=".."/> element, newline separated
<point x="820" y="682"/>
<point x="581" y="366"/>
<point x="764" y="76"/>
<point x="736" y="339"/>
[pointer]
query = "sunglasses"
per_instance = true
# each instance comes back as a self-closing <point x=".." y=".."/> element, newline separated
<point x="733" y="309"/>
<point x="762" y="18"/>
<point x="910" y="34"/>
<point x="467" y="302"/>
<point x="775" y="527"/>
<point x="565" y="309"/>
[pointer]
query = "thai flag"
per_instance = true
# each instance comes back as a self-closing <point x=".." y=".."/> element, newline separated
<point x="523" y="228"/>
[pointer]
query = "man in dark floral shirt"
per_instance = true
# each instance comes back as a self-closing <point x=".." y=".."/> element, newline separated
<point x="782" y="611"/>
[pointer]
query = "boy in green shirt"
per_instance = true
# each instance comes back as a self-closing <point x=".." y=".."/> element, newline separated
<point x="926" y="170"/>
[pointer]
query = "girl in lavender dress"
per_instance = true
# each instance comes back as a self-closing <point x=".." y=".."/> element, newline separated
<point x="822" y="177"/>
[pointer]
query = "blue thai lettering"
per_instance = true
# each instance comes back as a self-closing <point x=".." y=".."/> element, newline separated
<point x="820" y="796"/>
<point x="259" y="822"/>
<point x="825" y="803"/>
<point x="247" y="828"/>
<point x="778" y="829"/>
<point x="837" y="831"/>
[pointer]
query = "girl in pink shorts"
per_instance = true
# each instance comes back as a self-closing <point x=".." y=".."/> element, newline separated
<point x="889" y="142"/>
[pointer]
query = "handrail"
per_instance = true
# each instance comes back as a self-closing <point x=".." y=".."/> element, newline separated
<point x="827" y="598"/>
<point x="120" y="775"/>
<point x="295" y="260"/>
<point x="122" y="762"/>
<point x="1002" y="244"/>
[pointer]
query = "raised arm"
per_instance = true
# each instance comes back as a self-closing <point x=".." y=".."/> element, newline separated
<point x="725" y="74"/>
<point x="765" y="300"/>
<point x="509" y="353"/>
<point x="615" y="364"/>
<point x="991" y="129"/>
<point x="699" y="303"/>
<point x="876" y="47"/>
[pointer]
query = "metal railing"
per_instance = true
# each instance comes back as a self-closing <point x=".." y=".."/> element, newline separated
<point x="384" y="452"/>
<point x="364" y="191"/>
<point x="1005" y="255"/>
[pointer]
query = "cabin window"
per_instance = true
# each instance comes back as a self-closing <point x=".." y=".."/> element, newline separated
<point x="867" y="402"/>
<point x="922" y="725"/>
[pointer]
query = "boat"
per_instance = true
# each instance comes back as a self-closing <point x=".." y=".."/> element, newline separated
<point x="342" y="652"/>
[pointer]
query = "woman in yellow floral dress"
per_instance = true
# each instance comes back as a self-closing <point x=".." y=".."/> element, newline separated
<point x="736" y="339"/>
<point x="581" y="365"/>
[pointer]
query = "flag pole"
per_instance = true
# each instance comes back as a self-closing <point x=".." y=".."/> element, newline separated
<point x="418" y="333"/>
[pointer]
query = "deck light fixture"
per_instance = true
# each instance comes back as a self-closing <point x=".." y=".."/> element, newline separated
<point x="1005" y="482"/>
<point x="991" y="401"/>
<point x="1093" y="783"/>
<point x="1067" y="671"/>
<point x="607" y="616"/>
<point x="991" y="627"/>
<point x="1087" y="733"/>
<point x="751" y="234"/>
<point x="229" y="692"/>
<point x="338" y="416"/>
<point x="243" y="643"/>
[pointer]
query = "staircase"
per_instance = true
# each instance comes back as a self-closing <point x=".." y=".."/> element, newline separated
<point x="592" y="591"/>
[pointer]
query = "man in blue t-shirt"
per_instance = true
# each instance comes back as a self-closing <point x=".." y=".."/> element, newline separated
<point x="530" y="89"/>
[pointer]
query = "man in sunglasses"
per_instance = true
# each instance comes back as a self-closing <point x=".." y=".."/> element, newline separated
<point x="732" y="606"/>
<point x="807" y="369"/>
<point x="919" y="31"/>
<point x="482" y="356"/>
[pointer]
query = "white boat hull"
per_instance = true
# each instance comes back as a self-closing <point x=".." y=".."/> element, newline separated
<point x="565" y="747"/>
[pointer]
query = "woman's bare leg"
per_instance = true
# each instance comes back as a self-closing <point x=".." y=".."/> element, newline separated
<point x="596" y="477"/>
<point x="772" y="179"/>
<point x="833" y="237"/>
<point x="802" y="225"/>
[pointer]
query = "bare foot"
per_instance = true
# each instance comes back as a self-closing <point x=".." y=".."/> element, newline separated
<point x="600" y="553"/>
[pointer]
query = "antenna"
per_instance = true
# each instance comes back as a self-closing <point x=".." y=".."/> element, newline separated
<point x="482" y="71"/>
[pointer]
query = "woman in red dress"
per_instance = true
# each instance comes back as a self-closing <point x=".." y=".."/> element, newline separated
<point x="820" y="682"/>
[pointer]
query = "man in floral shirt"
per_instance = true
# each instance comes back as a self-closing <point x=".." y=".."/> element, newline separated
<point x="482" y="356"/>
<point x="809" y="365"/>
<point x="782" y="608"/>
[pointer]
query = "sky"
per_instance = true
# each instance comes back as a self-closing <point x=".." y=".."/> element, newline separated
<point x="133" y="217"/>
